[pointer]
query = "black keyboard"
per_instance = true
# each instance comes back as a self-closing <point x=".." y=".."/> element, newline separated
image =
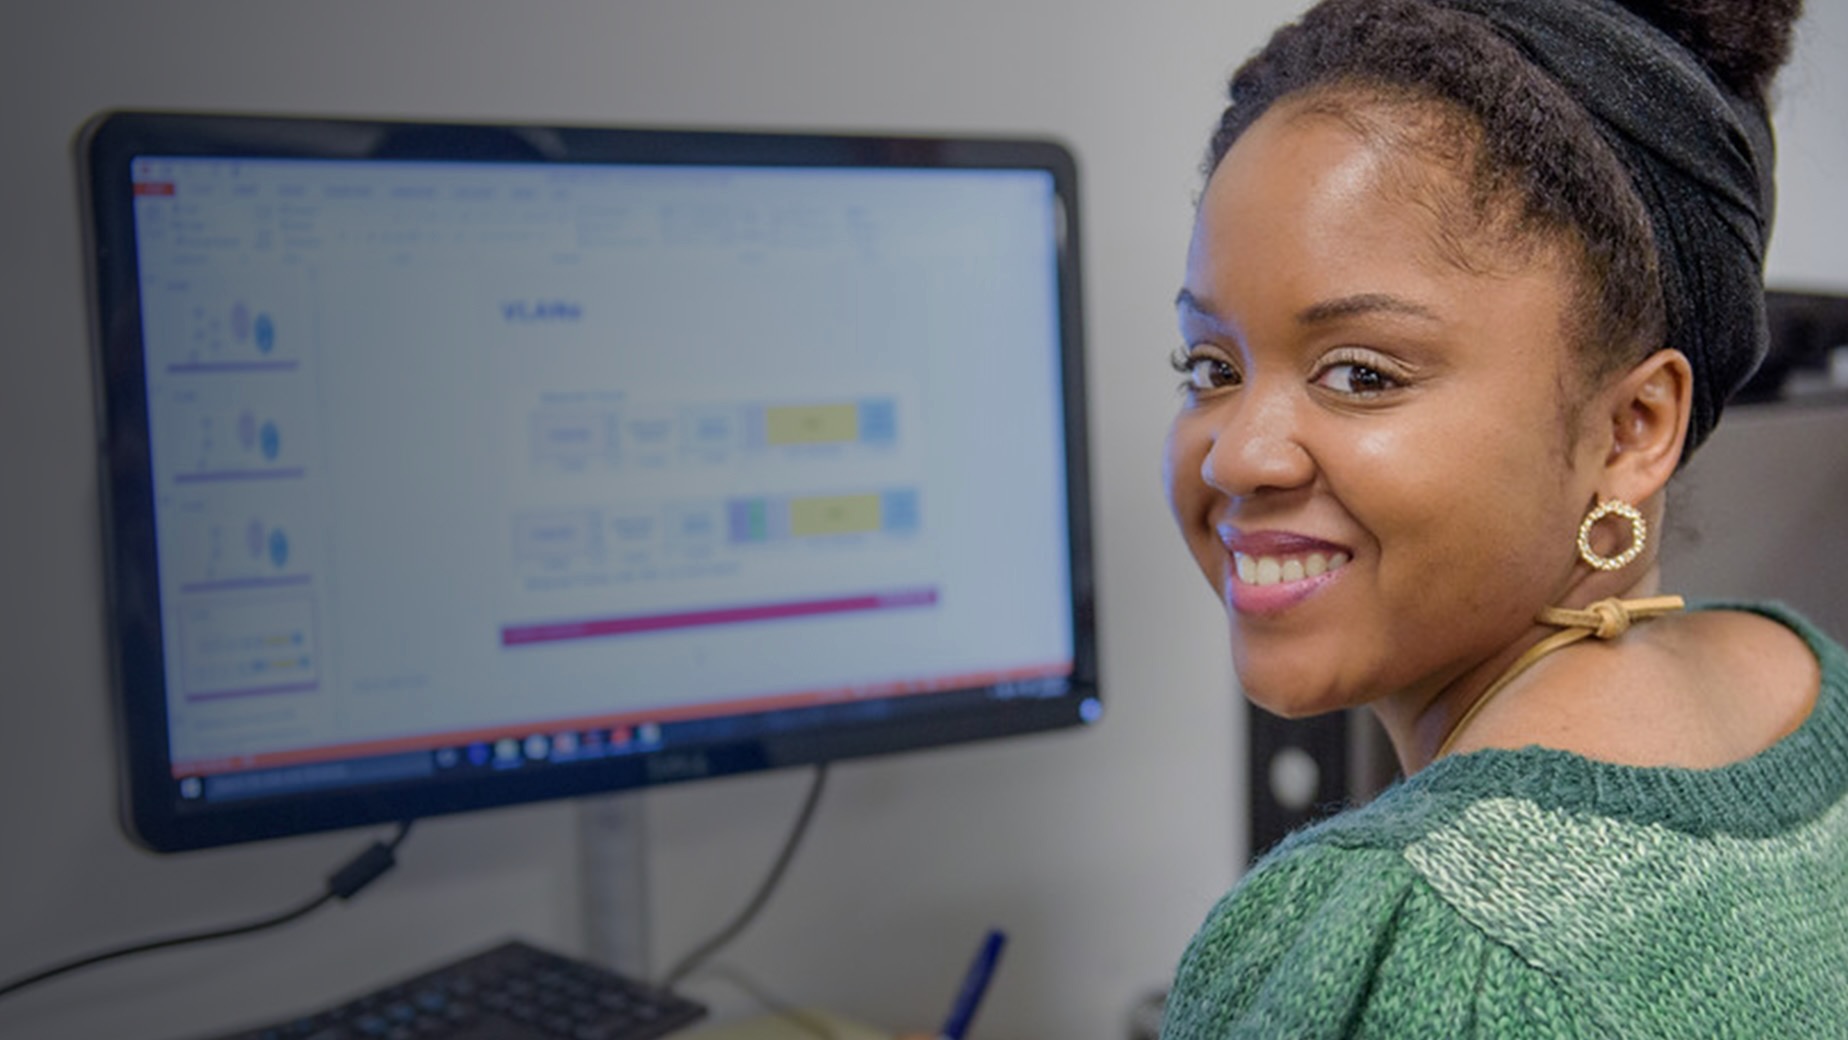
<point x="511" y="992"/>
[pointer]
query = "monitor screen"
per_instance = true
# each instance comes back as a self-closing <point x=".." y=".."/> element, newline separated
<point x="450" y="466"/>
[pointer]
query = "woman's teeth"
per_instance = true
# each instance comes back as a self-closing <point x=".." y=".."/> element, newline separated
<point x="1269" y="570"/>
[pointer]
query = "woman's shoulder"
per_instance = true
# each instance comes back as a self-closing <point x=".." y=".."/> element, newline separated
<point x="1765" y="634"/>
<point x="1536" y="893"/>
<point x="1343" y="938"/>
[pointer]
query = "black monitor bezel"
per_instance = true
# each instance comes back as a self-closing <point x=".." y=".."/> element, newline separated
<point x="105" y="147"/>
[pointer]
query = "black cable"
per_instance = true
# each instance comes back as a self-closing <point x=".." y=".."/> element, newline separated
<point x="749" y="913"/>
<point x="345" y="883"/>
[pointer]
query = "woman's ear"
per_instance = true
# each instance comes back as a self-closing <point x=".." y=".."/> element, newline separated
<point x="1648" y="409"/>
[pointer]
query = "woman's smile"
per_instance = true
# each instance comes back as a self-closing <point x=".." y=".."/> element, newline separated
<point x="1272" y="571"/>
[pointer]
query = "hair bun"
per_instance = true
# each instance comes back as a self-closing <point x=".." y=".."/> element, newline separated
<point x="1744" y="42"/>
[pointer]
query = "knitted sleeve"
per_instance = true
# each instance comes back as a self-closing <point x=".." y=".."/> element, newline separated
<point x="1333" y="942"/>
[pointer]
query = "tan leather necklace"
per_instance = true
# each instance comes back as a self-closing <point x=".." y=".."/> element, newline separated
<point x="1605" y="619"/>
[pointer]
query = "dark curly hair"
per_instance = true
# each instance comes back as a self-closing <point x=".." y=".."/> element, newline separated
<point x="1445" y="85"/>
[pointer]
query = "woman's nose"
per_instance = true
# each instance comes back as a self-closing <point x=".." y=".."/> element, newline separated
<point x="1257" y="445"/>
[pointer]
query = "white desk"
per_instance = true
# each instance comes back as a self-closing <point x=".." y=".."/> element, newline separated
<point x="784" y="1027"/>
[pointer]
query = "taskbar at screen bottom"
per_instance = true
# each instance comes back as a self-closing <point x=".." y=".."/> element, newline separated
<point x="547" y="749"/>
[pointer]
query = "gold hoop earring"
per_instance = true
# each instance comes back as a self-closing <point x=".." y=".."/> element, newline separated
<point x="1639" y="535"/>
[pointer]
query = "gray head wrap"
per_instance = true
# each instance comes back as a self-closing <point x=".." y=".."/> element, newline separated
<point x="1700" y="158"/>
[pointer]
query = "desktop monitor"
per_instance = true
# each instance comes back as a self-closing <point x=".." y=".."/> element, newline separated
<point x="453" y="466"/>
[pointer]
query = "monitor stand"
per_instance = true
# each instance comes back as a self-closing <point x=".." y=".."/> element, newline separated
<point x="613" y="851"/>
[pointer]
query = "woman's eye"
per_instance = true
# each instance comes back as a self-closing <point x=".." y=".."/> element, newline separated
<point x="1351" y="377"/>
<point x="1204" y="372"/>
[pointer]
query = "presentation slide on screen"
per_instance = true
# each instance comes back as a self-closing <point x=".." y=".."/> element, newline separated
<point x="448" y="450"/>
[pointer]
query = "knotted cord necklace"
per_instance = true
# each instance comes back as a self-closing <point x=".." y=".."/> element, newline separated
<point x="1605" y="619"/>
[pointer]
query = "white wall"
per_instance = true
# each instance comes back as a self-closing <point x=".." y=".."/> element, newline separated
<point x="1099" y="851"/>
<point x="1808" y="248"/>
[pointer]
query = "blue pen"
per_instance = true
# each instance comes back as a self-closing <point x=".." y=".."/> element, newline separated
<point x="974" y="985"/>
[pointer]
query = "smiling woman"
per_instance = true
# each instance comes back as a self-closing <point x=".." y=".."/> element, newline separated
<point x="1469" y="280"/>
<point x="1350" y="396"/>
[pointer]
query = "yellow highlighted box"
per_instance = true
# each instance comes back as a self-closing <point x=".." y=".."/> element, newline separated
<point x="835" y="514"/>
<point x="812" y="424"/>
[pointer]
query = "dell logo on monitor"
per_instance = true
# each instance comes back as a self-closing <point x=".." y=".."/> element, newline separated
<point x="678" y="765"/>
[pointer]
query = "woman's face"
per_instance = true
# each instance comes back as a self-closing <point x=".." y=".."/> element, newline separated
<point x="1372" y="464"/>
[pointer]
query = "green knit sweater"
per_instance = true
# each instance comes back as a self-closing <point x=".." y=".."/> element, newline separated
<point x="1537" y="893"/>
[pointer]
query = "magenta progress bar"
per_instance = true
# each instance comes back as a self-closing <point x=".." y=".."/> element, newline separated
<point x="596" y="628"/>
